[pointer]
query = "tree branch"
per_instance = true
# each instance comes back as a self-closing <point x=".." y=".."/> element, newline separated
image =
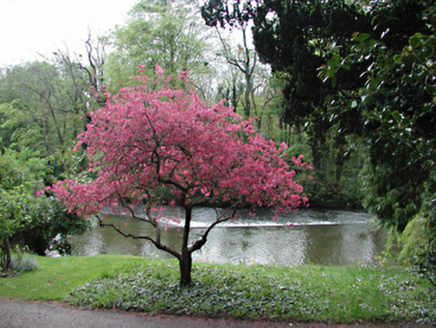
<point x="156" y="243"/>
<point x="199" y="243"/>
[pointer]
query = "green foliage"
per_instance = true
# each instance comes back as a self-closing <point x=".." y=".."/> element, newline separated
<point x="312" y="293"/>
<point x="159" y="33"/>
<point x="412" y="239"/>
<point x="416" y="246"/>
<point x="16" y="210"/>
<point x="33" y="223"/>
<point x="425" y="258"/>
<point x="375" y="61"/>
<point x="395" y="106"/>
<point x="27" y="221"/>
<point x="40" y="108"/>
<point x="294" y="38"/>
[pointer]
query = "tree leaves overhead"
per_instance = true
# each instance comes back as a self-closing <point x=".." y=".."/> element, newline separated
<point x="397" y="107"/>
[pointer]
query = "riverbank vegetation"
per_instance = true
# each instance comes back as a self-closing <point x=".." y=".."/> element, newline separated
<point x="307" y="293"/>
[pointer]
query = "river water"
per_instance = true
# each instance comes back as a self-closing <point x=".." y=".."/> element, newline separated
<point x="304" y="237"/>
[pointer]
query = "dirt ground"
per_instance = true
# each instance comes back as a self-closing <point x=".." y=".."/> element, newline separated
<point x="21" y="314"/>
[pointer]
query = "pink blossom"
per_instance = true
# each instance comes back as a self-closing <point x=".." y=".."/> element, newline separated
<point x="159" y="70"/>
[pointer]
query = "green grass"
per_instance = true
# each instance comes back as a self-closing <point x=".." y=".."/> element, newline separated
<point x="307" y="293"/>
<point x="55" y="278"/>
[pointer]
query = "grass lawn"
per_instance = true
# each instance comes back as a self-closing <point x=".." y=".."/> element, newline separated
<point x="55" y="278"/>
<point x="306" y="293"/>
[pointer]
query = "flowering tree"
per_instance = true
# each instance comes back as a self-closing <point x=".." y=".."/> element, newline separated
<point x="154" y="136"/>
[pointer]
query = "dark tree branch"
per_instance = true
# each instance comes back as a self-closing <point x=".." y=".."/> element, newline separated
<point x="203" y="239"/>
<point x="156" y="243"/>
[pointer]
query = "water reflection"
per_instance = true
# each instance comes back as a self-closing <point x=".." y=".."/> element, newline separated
<point x="315" y="237"/>
<point x="263" y="245"/>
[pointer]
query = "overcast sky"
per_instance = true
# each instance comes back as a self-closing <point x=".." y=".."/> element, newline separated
<point x="29" y="27"/>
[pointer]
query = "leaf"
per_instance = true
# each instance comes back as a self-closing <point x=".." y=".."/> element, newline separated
<point x="361" y="37"/>
<point x="416" y="40"/>
<point x="397" y="116"/>
<point x="431" y="41"/>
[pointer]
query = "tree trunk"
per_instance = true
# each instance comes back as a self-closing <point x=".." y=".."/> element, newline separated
<point x="247" y="109"/>
<point x="185" y="264"/>
<point x="5" y="256"/>
<point x="185" y="260"/>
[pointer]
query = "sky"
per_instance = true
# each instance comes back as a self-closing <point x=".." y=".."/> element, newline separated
<point x="29" y="28"/>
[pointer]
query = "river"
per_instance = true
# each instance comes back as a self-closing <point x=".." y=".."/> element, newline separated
<point x="304" y="237"/>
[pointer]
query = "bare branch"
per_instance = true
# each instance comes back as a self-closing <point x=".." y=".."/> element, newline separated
<point x="156" y="243"/>
<point x="203" y="239"/>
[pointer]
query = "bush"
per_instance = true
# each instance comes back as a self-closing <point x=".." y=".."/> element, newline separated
<point x="50" y="229"/>
<point x="34" y="223"/>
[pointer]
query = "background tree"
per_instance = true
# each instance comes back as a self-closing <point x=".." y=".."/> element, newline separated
<point x="244" y="61"/>
<point x="246" y="82"/>
<point x="39" y="108"/>
<point x="164" y="33"/>
<point x="292" y="37"/>
<point x="147" y="138"/>
<point x="43" y="106"/>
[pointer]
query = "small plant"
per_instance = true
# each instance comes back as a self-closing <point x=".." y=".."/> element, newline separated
<point x="19" y="262"/>
<point x="23" y="263"/>
<point x="427" y="262"/>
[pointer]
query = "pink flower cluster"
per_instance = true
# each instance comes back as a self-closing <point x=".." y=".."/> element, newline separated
<point x="145" y="139"/>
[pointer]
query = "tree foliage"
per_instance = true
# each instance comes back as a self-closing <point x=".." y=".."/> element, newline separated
<point x="40" y="108"/>
<point x="396" y="107"/>
<point x="293" y="38"/>
<point x="164" y="33"/>
<point x="146" y="138"/>
<point x="375" y="61"/>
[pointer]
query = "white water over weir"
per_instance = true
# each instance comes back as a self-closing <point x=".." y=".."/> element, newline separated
<point x="304" y="237"/>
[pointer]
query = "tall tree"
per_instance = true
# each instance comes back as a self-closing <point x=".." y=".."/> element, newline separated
<point x="244" y="60"/>
<point x="39" y="109"/>
<point x="164" y="33"/>
<point x="390" y="67"/>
